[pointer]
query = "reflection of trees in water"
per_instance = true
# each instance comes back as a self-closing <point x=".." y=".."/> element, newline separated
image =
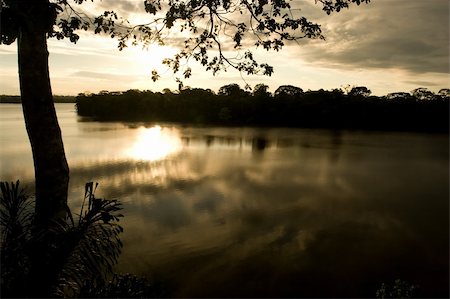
<point x="259" y="144"/>
<point x="336" y="142"/>
<point x="211" y="140"/>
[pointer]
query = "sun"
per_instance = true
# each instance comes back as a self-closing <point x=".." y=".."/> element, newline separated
<point x="155" y="143"/>
<point x="143" y="60"/>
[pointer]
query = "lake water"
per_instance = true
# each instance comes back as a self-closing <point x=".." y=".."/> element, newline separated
<point x="261" y="212"/>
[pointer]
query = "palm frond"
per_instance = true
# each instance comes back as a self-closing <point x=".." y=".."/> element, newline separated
<point x="16" y="211"/>
<point x="16" y="216"/>
<point x="97" y="244"/>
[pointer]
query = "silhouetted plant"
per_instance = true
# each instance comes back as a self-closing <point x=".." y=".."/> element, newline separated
<point x="70" y="253"/>
<point x="93" y="243"/>
<point x="16" y="213"/>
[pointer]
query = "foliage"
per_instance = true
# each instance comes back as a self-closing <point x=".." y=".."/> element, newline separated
<point x="15" y="220"/>
<point x="231" y="90"/>
<point x="422" y="93"/>
<point x="70" y="254"/>
<point x="261" y="90"/>
<point x="15" y="212"/>
<point x="403" y="96"/>
<point x="445" y="93"/>
<point x="288" y="91"/>
<point x="360" y="91"/>
<point x="288" y="107"/>
<point x="94" y="244"/>
<point x="400" y="289"/>
<point x="209" y="28"/>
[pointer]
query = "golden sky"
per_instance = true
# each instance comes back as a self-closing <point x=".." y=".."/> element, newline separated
<point x="386" y="45"/>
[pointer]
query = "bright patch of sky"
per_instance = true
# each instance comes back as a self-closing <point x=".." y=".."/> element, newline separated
<point x="386" y="45"/>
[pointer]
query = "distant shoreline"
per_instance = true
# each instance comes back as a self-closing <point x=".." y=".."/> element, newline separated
<point x="312" y="109"/>
<point x="6" y="99"/>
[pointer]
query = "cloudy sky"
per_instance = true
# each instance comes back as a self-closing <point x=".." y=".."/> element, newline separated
<point x="387" y="45"/>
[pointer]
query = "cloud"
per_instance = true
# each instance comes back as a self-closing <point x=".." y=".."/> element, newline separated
<point x="411" y="35"/>
<point x="422" y="83"/>
<point x="101" y="76"/>
<point x="123" y="6"/>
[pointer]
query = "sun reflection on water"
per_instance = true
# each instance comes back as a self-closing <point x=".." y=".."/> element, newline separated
<point x="155" y="143"/>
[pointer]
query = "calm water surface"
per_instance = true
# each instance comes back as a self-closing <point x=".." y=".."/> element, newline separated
<point x="261" y="212"/>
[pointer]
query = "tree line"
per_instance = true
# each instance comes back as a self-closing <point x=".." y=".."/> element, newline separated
<point x="288" y="106"/>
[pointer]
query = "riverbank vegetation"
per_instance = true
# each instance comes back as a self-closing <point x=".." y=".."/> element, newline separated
<point x="288" y="106"/>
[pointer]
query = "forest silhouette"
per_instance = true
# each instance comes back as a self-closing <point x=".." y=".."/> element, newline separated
<point x="288" y="106"/>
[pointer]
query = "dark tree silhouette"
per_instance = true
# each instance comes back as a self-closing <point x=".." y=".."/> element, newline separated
<point x="398" y="96"/>
<point x="422" y="93"/>
<point x="444" y="93"/>
<point x="360" y="91"/>
<point x="288" y="90"/>
<point x="209" y="22"/>
<point x="231" y="90"/>
<point x="261" y="91"/>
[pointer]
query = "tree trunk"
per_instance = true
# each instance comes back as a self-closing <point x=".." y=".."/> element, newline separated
<point x="50" y="164"/>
